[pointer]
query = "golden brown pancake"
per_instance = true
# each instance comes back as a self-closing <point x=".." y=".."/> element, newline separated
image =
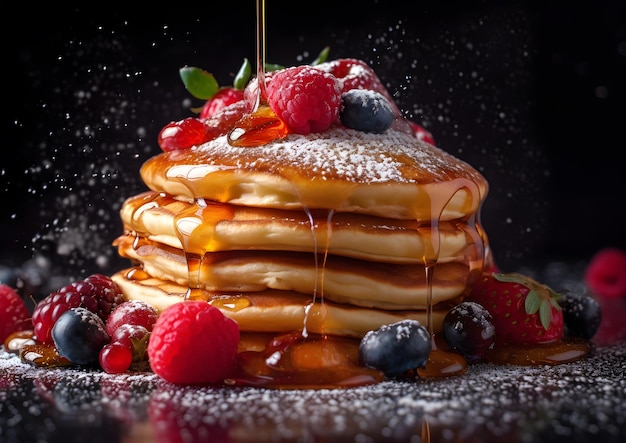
<point x="342" y="223"/>
<point x="273" y="310"/>
<point x="392" y="175"/>
<point x="206" y="226"/>
<point x="340" y="279"/>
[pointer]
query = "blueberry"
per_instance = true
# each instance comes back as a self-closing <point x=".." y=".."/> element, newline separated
<point x="396" y="348"/>
<point x="582" y="314"/>
<point x="468" y="328"/>
<point x="79" y="335"/>
<point x="365" y="110"/>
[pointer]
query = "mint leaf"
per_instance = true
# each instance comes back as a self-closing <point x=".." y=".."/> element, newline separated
<point x="200" y="83"/>
<point x="321" y="58"/>
<point x="243" y="75"/>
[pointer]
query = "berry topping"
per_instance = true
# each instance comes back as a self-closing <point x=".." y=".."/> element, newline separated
<point x="182" y="134"/>
<point x="192" y="342"/>
<point x="307" y="99"/>
<point x="79" y="335"/>
<point x="366" y="111"/>
<point x="224" y="120"/>
<point x="396" y="348"/>
<point x="97" y="293"/>
<point x="355" y="74"/>
<point x="523" y="310"/>
<point x="581" y="315"/>
<point x="14" y="315"/>
<point x="468" y="328"/>
<point x="606" y="273"/>
<point x="223" y="97"/>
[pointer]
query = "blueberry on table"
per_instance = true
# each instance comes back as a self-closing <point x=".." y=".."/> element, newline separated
<point x="79" y="335"/>
<point x="582" y="315"/>
<point x="469" y="329"/>
<point x="396" y="348"/>
<point x="366" y="111"/>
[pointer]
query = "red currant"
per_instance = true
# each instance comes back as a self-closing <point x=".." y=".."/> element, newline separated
<point x="223" y="98"/>
<point x="182" y="134"/>
<point x="115" y="358"/>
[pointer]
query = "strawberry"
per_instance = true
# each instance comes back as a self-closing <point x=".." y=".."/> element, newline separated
<point x="222" y="98"/>
<point x="523" y="310"/>
<point x="14" y="315"/>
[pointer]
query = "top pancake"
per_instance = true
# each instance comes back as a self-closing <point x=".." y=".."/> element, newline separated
<point x="394" y="175"/>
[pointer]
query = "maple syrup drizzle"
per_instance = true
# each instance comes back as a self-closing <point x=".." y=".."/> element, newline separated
<point x="442" y="362"/>
<point x="319" y="270"/>
<point x="261" y="125"/>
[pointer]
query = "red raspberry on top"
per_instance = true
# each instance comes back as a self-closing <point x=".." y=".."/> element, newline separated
<point x="14" y="315"/>
<point x="606" y="273"/>
<point x="306" y="99"/>
<point x="356" y="74"/>
<point x="193" y="343"/>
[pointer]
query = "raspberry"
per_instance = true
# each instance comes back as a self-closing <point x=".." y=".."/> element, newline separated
<point x="108" y="294"/>
<point x="192" y="343"/>
<point x="223" y="98"/>
<point x="606" y="273"/>
<point x="356" y="74"/>
<point x="305" y="98"/>
<point x="97" y="293"/>
<point x="14" y="315"/>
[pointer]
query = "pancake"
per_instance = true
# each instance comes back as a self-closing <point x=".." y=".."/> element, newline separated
<point x="392" y="175"/>
<point x="273" y="310"/>
<point x="207" y="226"/>
<point x="336" y="232"/>
<point x="340" y="279"/>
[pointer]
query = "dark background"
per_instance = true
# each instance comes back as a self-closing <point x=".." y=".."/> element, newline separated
<point x="530" y="93"/>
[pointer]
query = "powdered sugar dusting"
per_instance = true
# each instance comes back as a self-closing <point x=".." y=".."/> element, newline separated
<point x="576" y="401"/>
<point x="345" y="154"/>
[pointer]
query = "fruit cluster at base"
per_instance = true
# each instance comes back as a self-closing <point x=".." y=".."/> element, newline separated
<point x="97" y="328"/>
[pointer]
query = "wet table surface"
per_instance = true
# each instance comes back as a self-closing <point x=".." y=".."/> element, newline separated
<point x="582" y="401"/>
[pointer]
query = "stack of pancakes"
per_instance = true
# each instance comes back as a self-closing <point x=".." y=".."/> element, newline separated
<point x="336" y="233"/>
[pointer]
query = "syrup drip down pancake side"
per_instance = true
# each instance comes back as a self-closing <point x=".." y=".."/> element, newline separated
<point x="274" y="311"/>
<point x="209" y="226"/>
<point x="392" y="175"/>
<point x="339" y="232"/>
